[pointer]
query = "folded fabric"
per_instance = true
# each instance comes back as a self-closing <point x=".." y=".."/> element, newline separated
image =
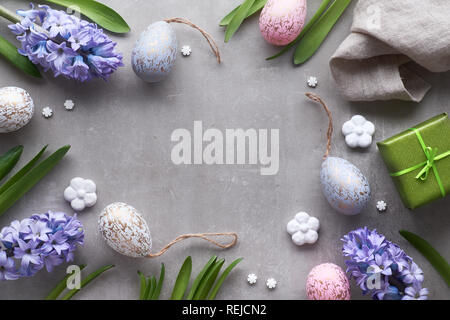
<point x="387" y="37"/>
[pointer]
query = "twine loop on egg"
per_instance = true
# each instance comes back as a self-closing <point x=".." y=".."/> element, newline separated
<point x="204" y="236"/>
<point x="317" y="99"/>
<point x="212" y="43"/>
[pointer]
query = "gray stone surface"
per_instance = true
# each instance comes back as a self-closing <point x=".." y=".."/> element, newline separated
<point x="120" y="136"/>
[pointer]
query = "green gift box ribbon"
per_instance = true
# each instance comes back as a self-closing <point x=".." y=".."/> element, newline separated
<point x="430" y="154"/>
<point x="418" y="160"/>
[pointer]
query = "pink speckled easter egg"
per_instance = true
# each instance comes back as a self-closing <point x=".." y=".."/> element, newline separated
<point x="281" y="21"/>
<point x="327" y="282"/>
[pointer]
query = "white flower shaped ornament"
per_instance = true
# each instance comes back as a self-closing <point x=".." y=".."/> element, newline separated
<point x="303" y="229"/>
<point x="358" y="132"/>
<point x="81" y="193"/>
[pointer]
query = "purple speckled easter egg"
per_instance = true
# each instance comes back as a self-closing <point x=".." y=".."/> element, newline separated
<point x="155" y="52"/>
<point x="281" y="21"/>
<point x="345" y="187"/>
<point x="327" y="282"/>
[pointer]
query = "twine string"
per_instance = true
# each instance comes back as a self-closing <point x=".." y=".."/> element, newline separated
<point x="317" y="99"/>
<point x="204" y="236"/>
<point x="208" y="37"/>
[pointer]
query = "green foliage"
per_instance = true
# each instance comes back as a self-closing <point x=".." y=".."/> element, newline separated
<point x="27" y="177"/>
<point x="436" y="260"/>
<point x="62" y="285"/>
<point x="204" y="286"/>
<point x="10" y="53"/>
<point x="97" y="12"/>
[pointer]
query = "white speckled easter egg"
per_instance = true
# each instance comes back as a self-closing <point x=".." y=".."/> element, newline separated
<point x="345" y="187"/>
<point x="125" y="230"/>
<point x="16" y="109"/>
<point x="327" y="282"/>
<point x="281" y="21"/>
<point x="155" y="52"/>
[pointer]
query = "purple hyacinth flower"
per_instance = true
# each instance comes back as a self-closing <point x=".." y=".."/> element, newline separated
<point x="57" y="242"/>
<point x="79" y="69"/>
<point x="7" y="267"/>
<point x="382" y="264"/>
<point x="28" y="252"/>
<point x="39" y="232"/>
<point x="60" y="56"/>
<point x="412" y="274"/>
<point x="415" y="292"/>
<point x="380" y="267"/>
<point x="75" y="48"/>
<point x="43" y="240"/>
<point x="52" y="260"/>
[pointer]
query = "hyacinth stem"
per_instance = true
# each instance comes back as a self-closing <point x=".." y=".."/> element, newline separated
<point x="10" y="15"/>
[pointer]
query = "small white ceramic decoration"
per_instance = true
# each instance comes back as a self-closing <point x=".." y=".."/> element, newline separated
<point x="81" y="193"/>
<point x="312" y="82"/>
<point x="69" y="105"/>
<point x="303" y="229"/>
<point x="186" y="51"/>
<point x="271" y="283"/>
<point x="47" y="112"/>
<point x="381" y="206"/>
<point x="251" y="278"/>
<point x="16" y="109"/>
<point x="358" y="132"/>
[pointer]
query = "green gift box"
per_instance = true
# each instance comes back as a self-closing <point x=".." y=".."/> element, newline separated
<point x="418" y="160"/>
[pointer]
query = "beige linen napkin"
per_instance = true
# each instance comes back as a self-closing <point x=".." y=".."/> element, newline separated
<point x="387" y="36"/>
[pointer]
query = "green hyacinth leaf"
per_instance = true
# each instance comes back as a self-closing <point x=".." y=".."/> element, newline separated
<point x="315" y="37"/>
<point x="54" y="294"/>
<point x="9" y="160"/>
<point x="16" y="177"/>
<point x="431" y="254"/>
<point x="306" y="28"/>
<point x="101" y="14"/>
<point x="86" y="281"/>
<point x="182" y="281"/>
<point x="157" y="291"/>
<point x="10" y="53"/>
<point x="200" y="277"/>
<point x="222" y="278"/>
<point x="143" y="285"/>
<point x="208" y="281"/>
<point x="24" y="184"/>
<point x="239" y="16"/>
<point x="258" y="5"/>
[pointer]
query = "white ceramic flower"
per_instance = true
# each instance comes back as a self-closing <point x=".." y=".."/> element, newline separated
<point x="358" y="132"/>
<point x="47" y="112"/>
<point x="186" y="50"/>
<point x="303" y="229"/>
<point x="381" y="205"/>
<point x="81" y="193"/>
<point x="251" y="278"/>
<point x="271" y="283"/>
<point x="69" y="105"/>
<point x="312" y="82"/>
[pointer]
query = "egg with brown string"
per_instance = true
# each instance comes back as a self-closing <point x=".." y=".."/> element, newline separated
<point x="125" y="230"/>
<point x="155" y="52"/>
<point x="344" y="186"/>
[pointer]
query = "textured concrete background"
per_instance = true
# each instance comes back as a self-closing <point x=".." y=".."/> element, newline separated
<point x="120" y="136"/>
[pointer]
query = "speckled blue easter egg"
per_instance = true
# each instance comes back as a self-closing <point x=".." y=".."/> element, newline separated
<point x="345" y="187"/>
<point x="155" y="52"/>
